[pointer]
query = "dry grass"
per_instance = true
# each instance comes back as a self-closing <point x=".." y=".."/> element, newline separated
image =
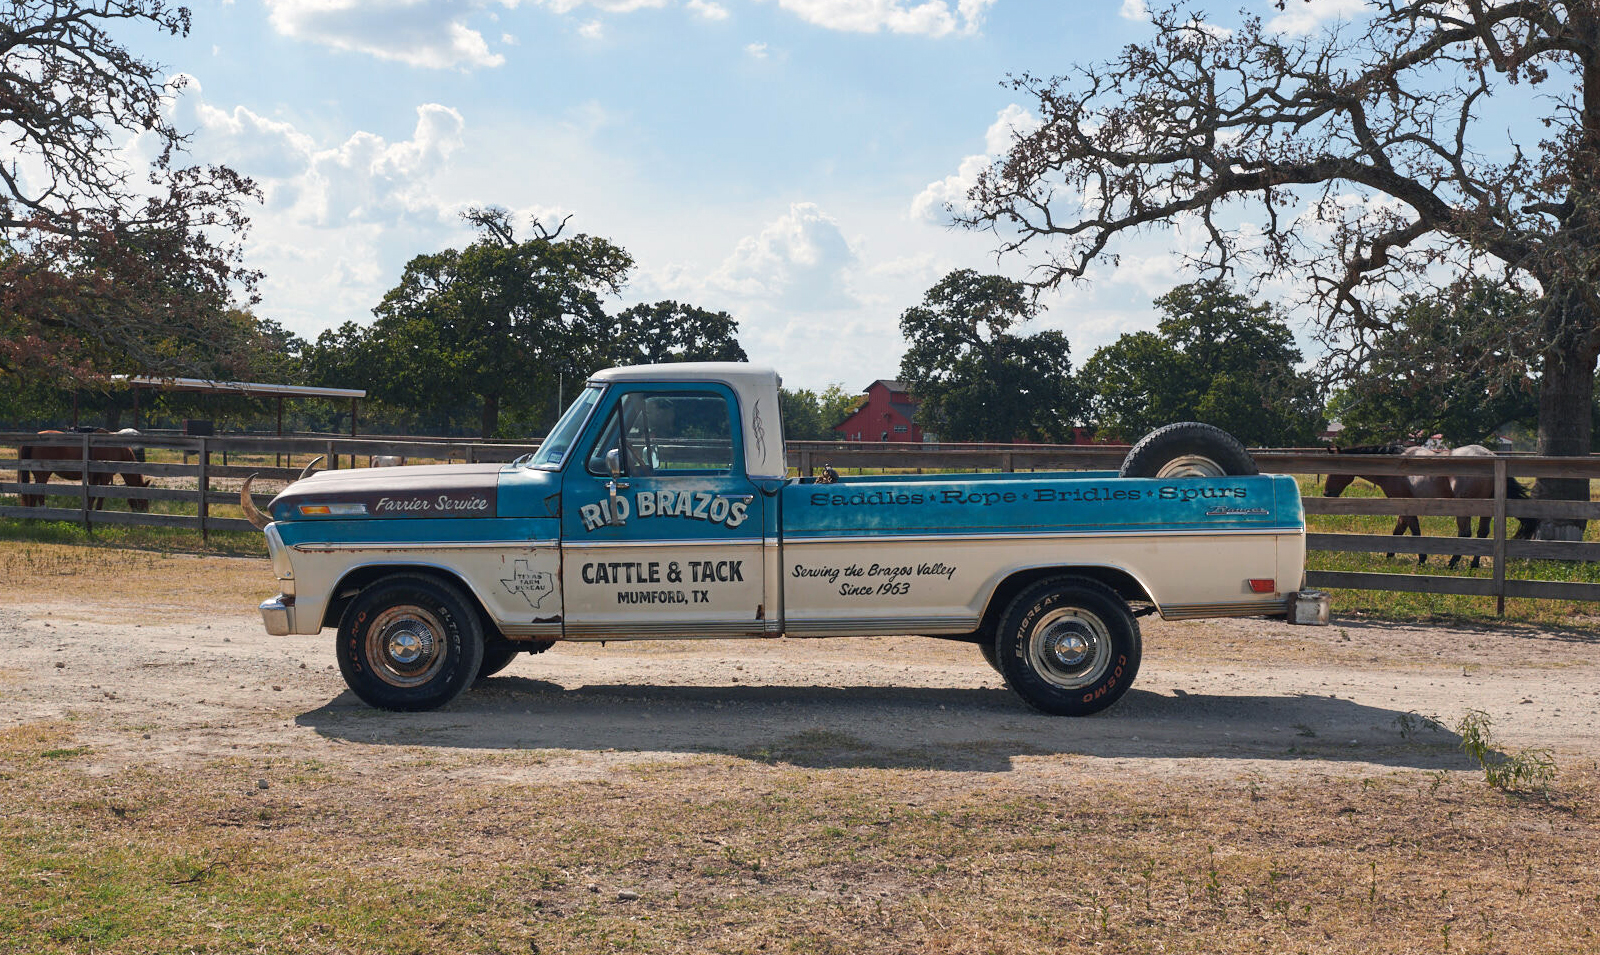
<point x="154" y="582"/>
<point x="732" y="854"/>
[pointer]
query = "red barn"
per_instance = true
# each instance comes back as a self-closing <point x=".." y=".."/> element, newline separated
<point x="884" y="416"/>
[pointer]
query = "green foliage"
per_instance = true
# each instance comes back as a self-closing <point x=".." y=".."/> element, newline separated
<point x="669" y="332"/>
<point x="1526" y="769"/>
<point x="1430" y="372"/>
<point x="810" y="416"/>
<point x="1216" y="357"/>
<point x="499" y="323"/>
<point x="979" y="380"/>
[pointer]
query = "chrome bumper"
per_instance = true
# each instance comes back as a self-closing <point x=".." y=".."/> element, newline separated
<point x="277" y="613"/>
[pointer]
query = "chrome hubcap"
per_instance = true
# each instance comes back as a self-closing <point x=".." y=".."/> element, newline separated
<point x="1191" y="465"/>
<point x="1070" y="648"/>
<point x="405" y="645"/>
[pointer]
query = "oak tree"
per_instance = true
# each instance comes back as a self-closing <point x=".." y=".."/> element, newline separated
<point x="104" y="265"/>
<point x="668" y="332"/>
<point x="499" y="322"/>
<point x="1216" y="357"/>
<point x="977" y="378"/>
<point x="1354" y="160"/>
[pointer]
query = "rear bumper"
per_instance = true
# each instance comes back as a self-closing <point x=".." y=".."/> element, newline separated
<point x="277" y="614"/>
<point x="1309" y="607"/>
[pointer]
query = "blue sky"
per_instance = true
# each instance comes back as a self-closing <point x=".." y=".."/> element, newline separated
<point x="785" y="160"/>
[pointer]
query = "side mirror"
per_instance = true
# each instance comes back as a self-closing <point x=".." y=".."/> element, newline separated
<point x="614" y="462"/>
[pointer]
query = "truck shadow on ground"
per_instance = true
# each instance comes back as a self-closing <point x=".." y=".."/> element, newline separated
<point x="961" y="729"/>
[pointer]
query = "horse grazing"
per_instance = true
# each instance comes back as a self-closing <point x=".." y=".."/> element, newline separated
<point x="33" y="453"/>
<point x="1459" y="486"/>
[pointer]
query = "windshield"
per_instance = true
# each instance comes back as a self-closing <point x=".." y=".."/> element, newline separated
<point x="553" y="450"/>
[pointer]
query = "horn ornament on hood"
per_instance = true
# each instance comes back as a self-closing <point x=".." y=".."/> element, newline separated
<point x="255" y="517"/>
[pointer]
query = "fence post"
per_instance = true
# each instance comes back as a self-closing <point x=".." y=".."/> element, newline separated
<point x="1005" y="462"/>
<point x="204" y="480"/>
<point x="85" y="475"/>
<point x="805" y="462"/>
<point x="331" y="459"/>
<point x="1499" y="536"/>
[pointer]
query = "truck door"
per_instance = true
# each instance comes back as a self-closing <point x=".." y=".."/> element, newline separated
<point x="672" y="545"/>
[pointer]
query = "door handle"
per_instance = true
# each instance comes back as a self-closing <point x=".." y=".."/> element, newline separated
<point x="614" y="515"/>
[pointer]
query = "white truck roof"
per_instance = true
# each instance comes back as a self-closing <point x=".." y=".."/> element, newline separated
<point x="755" y="386"/>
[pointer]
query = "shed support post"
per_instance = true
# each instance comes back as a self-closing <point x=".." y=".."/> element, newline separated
<point x="1499" y="536"/>
<point x="203" y="478"/>
<point x="84" y="474"/>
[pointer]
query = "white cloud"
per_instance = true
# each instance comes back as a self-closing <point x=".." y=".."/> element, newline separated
<point x="591" y="30"/>
<point x="1303" y="16"/>
<point x="339" y="217"/>
<point x="927" y="17"/>
<point x="757" y="50"/>
<point x="931" y="204"/>
<point x="427" y="33"/>
<point x="800" y="260"/>
<point x="1134" y="10"/>
<point x="708" y="9"/>
<point x="604" y="6"/>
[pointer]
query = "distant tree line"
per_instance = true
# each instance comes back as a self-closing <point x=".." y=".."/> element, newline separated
<point x="1215" y="356"/>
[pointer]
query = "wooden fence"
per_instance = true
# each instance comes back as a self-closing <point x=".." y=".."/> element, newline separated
<point x="199" y="473"/>
<point x="205" y="481"/>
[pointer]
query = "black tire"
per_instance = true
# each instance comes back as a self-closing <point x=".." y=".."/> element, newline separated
<point x="410" y="642"/>
<point x="1187" y="449"/>
<point x="1069" y="646"/>
<point x="991" y="655"/>
<point x="498" y="653"/>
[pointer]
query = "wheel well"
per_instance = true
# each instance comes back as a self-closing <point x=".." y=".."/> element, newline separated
<point x="1121" y="581"/>
<point x="359" y="579"/>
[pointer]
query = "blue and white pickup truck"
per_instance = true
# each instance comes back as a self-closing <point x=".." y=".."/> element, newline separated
<point x="660" y="507"/>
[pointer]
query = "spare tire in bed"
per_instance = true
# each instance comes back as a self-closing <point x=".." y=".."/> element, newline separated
<point x="1187" y="449"/>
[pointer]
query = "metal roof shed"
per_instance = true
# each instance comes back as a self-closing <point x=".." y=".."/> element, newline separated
<point x="253" y="389"/>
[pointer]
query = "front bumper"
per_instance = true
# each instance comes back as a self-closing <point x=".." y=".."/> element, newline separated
<point x="277" y="613"/>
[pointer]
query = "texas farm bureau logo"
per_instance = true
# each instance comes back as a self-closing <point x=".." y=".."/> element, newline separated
<point x="533" y="585"/>
<point x="691" y="505"/>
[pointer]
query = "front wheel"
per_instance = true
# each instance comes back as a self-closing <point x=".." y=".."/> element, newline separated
<point x="498" y="652"/>
<point x="410" y="642"/>
<point x="1069" y="646"/>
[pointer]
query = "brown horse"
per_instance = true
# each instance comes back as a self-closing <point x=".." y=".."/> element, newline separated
<point x="1460" y="486"/>
<point x="33" y="453"/>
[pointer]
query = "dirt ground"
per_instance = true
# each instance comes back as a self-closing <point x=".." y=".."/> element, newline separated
<point x="180" y="686"/>
<point x="173" y="779"/>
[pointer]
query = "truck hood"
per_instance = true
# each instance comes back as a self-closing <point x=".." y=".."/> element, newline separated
<point x="435" y="490"/>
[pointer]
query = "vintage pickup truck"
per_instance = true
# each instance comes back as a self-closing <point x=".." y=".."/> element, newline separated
<point x="660" y="507"/>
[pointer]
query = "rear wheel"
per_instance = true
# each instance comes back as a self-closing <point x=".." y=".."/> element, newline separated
<point x="1187" y="449"/>
<point x="410" y="642"/>
<point x="1069" y="646"/>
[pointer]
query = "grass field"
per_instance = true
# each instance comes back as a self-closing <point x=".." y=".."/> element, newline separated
<point x="741" y="854"/>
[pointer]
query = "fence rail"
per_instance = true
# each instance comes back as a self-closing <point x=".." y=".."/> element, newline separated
<point x="198" y="489"/>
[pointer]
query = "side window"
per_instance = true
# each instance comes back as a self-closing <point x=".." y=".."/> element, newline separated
<point x="665" y="433"/>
